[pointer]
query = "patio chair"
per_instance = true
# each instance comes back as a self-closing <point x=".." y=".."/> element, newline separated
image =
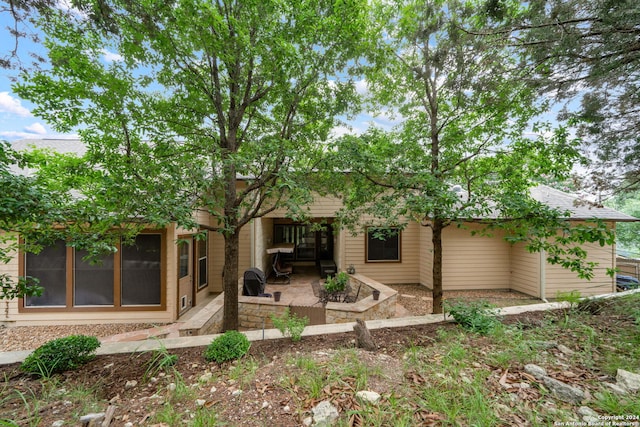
<point x="280" y="269"/>
<point x="351" y="299"/>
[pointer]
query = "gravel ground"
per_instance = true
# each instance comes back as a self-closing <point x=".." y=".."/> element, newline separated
<point x="415" y="298"/>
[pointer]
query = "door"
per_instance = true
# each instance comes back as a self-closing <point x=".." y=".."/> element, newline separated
<point x="185" y="274"/>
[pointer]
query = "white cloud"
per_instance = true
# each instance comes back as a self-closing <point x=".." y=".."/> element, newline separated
<point x="362" y="87"/>
<point x="9" y="104"/>
<point x="111" y="56"/>
<point x="12" y="134"/>
<point x="36" y="128"/>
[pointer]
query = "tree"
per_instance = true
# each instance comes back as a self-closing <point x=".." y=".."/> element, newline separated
<point x="585" y="53"/>
<point x="459" y="152"/>
<point x="202" y="93"/>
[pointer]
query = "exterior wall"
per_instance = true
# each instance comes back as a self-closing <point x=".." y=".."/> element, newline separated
<point x="405" y="271"/>
<point x="525" y="270"/>
<point x="560" y="279"/>
<point x="216" y="257"/>
<point x="263" y="239"/>
<point x="474" y="262"/>
<point x="426" y="257"/>
<point x="321" y="207"/>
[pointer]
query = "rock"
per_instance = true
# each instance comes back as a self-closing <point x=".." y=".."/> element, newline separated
<point x="616" y="388"/>
<point x="324" y="414"/>
<point x="95" y="417"/>
<point x="206" y="377"/>
<point x="130" y="384"/>
<point x="545" y="344"/>
<point x="368" y="396"/>
<point x="236" y="393"/>
<point x="200" y="402"/>
<point x="566" y="350"/>
<point x="107" y="366"/>
<point x="588" y="415"/>
<point x="307" y="421"/>
<point x="265" y="404"/>
<point x="213" y="389"/>
<point x="286" y="409"/>
<point x="128" y="424"/>
<point x="171" y="386"/>
<point x="628" y="380"/>
<point x="535" y="370"/>
<point x="564" y="391"/>
<point x="58" y="423"/>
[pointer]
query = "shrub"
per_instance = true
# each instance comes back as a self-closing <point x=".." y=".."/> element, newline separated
<point x="476" y="316"/>
<point x="62" y="354"/>
<point x="228" y="346"/>
<point x="337" y="283"/>
<point x="290" y="325"/>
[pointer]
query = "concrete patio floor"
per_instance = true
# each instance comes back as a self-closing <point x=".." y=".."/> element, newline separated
<point x="300" y="290"/>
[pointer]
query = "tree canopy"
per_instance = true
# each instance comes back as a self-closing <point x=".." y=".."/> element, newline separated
<point x="248" y="90"/>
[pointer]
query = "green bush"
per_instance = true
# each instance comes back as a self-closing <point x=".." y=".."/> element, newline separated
<point x="290" y="325"/>
<point x="337" y="283"/>
<point x="228" y="346"/>
<point x="62" y="354"/>
<point x="476" y="316"/>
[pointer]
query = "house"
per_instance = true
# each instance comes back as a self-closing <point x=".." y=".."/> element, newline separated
<point x="157" y="280"/>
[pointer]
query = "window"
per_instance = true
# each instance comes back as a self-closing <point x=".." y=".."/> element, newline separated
<point x="131" y="277"/>
<point x="202" y="263"/>
<point x="141" y="271"/>
<point x="93" y="284"/>
<point x="50" y="268"/>
<point x="383" y="245"/>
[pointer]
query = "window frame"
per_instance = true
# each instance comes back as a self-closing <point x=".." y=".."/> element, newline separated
<point x="377" y="261"/>
<point x="117" y="297"/>
<point x="199" y="257"/>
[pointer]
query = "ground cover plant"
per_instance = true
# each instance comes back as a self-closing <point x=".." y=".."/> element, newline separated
<point x="437" y="374"/>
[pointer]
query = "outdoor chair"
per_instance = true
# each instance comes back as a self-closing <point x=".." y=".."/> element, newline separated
<point x="280" y="269"/>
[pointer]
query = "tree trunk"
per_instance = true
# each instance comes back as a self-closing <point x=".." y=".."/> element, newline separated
<point x="230" y="281"/>
<point x="436" y="240"/>
<point x="363" y="336"/>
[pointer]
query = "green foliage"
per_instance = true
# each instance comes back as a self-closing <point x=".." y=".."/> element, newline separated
<point x="229" y="346"/>
<point x="61" y="354"/>
<point x="336" y="283"/>
<point x="161" y="361"/>
<point x="572" y="297"/>
<point x="290" y="325"/>
<point x="476" y="316"/>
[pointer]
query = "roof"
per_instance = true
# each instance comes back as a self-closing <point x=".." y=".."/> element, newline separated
<point x="579" y="208"/>
<point x="58" y="145"/>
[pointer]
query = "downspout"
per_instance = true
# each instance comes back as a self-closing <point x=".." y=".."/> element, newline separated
<point x="543" y="275"/>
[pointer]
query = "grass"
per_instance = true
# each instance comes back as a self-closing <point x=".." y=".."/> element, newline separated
<point x="454" y="378"/>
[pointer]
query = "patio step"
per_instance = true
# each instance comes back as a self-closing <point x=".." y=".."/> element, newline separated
<point x="159" y="332"/>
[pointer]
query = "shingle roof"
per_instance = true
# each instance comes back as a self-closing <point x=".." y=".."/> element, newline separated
<point x="579" y="208"/>
<point x="59" y="145"/>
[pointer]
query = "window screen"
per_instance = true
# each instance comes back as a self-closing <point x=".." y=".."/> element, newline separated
<point x="183" y="260"/>
<point x="141" y="281"/>
<point x="93" y="282"/>
<point x="383" y="245"/>
<point x="50" y="267"/>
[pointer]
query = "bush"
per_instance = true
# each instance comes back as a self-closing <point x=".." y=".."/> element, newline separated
<point x="476" y="316"/>
<point x="62" y="354"/>
<point x="337" y="283"/>
<point x="290" y="325"/>
<point x="228" y="346"/>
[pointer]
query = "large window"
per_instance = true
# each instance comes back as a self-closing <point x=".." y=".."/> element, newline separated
<point x="49" y="266"/>
<point x="383" y="245"/>
<point x="310" y="243"/>
<point x="141" y="271"/>
<point x="131" y="277"/>
<point x="93" y="284"/>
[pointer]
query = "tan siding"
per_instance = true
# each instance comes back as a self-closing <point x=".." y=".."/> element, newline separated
<point x="263" y="239"/>
<point x="11" y="268"/>
<point x="407" y="271"/>
<point x="474" y="262"/>
<point x="322" y="207"/>
<point x="426" y="257"/>
<point x="525" y="270"/>
<point x="216" y="257"/>
<point x="559" y="279"/>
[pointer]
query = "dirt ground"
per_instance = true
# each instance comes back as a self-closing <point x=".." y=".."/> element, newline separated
<point x="262" y="402"/>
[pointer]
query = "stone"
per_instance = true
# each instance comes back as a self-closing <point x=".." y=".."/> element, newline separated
<point x="130" y="384"/>
<point x="545" y="344"/>
<point x="213" y="390"/>
<point x="206" y="377"/>
<point x="564" y="391"/>
<point x="616" y="388"/>
<point x="94" y="416"/>
<point x="566" y="350"/>
<point x="324" y="414"/>
<point x="200" y="402"/>
<point x="128" y="424"/>
<point x="265" y="404"/>
<point x="536" y="371"/>
<point x="628" y="380"/>
<point x="171" y="386"/>
<point x="58" y="423"/>
<point x="588" y="415"/>
<point x="307" y="421"/>
<point x="236" y="393"/>
<point x="286" y="409"/>
<point x="368" y="396"/>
